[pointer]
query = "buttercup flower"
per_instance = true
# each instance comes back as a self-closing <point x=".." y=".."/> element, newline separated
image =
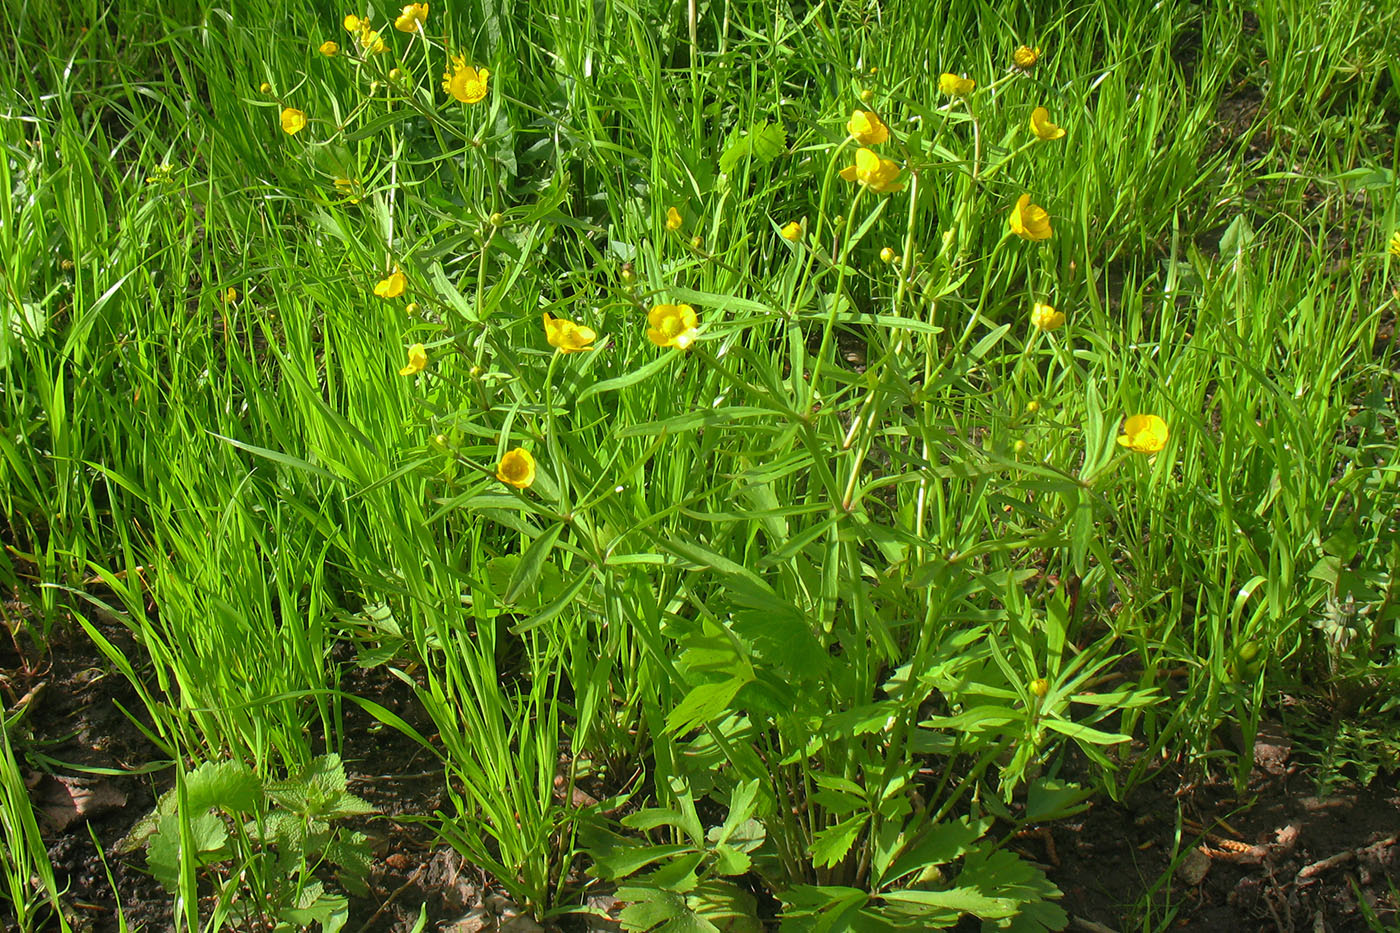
<point x="673" y="219"/>
<point x="1045" y="317"/>
<point x="672" y="326"/>
<point x="1395" y="244"/>
<point x="417" y="360"/>
<point x="517" y="468"/>
<point x="464" y="82"/>
<point x="566" y="336"/>
<point x="230" y="296"/>
<point x="329" y="49"/>
<point x="793" y="231"/>
<point x="1040" y="686"/>
<point x="370" y="39"/>
<point x="393" y="286"/>
<point x="955" y="85"/>
<point x="875" y="173"/>
<point x="352" y="23"/>
<point x="1042" y="127"/>
<point x="1145" y="434"/>
<point x="412" y="18"/>
<point x="293" y="121"/>
<point x="867" y="128"/>
<point x="1025" y="57"/>
<point x="1030" y="221"/>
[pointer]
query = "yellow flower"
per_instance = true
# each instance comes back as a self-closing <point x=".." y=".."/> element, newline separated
<point x="1030" y="221"/>
<point x="955" y="85"/>
<point x="867" y="128"/>
<point x="412" y="18"/>
<point x="887" y="254"/>
<point x="393" y="286"/>
<point x="464" y="82"/>
<point x="517" y="468"/>
<point x="875" y="173"/>
<point x="1395" y="244"/>
<point x="417" y="360"/>
<point x="672" y="326"/>
<point x="370" y="39"/>
<point x="230" y="296"/>
<point x="329" y="49"/>
<point x="1145" y="434"/>
<point x="1025" y="57"/>
<point x="793" y="231"/>
<point x="1040" y="686"/>
<point x="673" y="219"/>
<point x="566" y="336"/>
<point x="1045" y="317"/>
<point x="1042" y="127"/>
<point x="352" y="23"/>
<point x="293" y="121"/>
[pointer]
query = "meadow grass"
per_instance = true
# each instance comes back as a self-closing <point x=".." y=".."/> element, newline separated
<point x="833" y="597"/>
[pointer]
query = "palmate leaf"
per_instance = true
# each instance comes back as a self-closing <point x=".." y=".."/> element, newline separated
<point x="764" y="142"/>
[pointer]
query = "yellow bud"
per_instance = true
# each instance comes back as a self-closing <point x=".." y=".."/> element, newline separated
<point x="696" y="242"/>
<point x="411" y="308"/>
<point x="1032" y="407"/>
<point x="867" y="95"/>
<point x="887" y="255"/>
<point x="628" y="274"/>
<point x="440" y="440"/>
<point x="1020" y="447"/>
<point x="265" y="88"/>
<point x="1040" y="686"/>
<point x="395" y="74"/>
<point x="497" y="219"/>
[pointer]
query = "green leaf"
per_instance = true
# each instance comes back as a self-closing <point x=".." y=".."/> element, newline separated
<point x="704" y="703"/>
<point x="730" y="861"/>
<point x="831" y="844"/>
<point x="531" y="562"/>
<point x="764" y="142"/>
<point x="622" y="864"/>
<point x="962" y="900"/>
<point x="1082" y="733"/>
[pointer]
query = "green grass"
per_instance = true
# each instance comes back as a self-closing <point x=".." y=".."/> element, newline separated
<point x="859" y="567"/>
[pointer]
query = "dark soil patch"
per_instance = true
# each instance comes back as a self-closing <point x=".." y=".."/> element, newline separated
<point x="1171" y="856"/>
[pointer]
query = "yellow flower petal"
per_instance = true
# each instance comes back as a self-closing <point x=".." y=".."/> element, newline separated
<point x="673" y="219"/>
<point x="392" y="287"/>
<point x="955" y="85"/>
<point x="417" y="360"/>
<point x="1045" y="317"/>
<point x="867" y="128"/>
<point x="1042" y="127"/>
<point x="412" y="17"/>
<point x="1144" y="434"/>
<point x="672" y="326"/>
<point x="293" y="121"/>
<point x="566" y="336"/>
<point x="517" y="468"/>
<point x="464" y="82"/>
<point x="1025" y="57"/>
<point x="1030" y="221"/>
<point x="792" y="231"/>
<point x="329" y="49"/>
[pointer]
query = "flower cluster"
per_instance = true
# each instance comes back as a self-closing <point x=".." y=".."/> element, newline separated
<point x="877" y="174"/>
